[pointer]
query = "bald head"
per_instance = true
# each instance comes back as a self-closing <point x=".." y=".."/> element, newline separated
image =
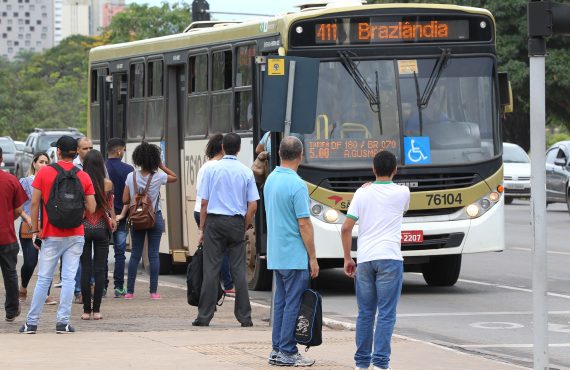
<point x="290" y="148"/>
<point x="84" y="145"/>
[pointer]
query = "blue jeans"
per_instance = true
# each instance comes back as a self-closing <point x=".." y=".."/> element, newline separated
<point x="69" y="249"/>
<point x="289" y="288"/>
<point x="225" y="270"/>
<point x="138" y="237"/>
<point x="378" y="288"/>
<point x="120" y="238"/>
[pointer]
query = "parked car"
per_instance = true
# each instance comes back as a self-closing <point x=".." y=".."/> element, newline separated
<point x="558" y="173"/>
<point x="40" y="141"/>
<point x="516" y="172"/>
<point x="8" y="154"/>
<point x="20" y="145"/>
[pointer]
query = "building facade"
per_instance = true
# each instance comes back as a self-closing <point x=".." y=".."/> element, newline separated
<point x="25" y="25"/>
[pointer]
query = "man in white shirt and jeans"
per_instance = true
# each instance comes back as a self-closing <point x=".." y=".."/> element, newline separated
<point x="379" y="209"/>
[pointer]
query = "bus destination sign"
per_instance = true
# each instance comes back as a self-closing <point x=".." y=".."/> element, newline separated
<point x="381" y="32"/>
<point x="391" y="29"/>
<point x="347" y="148"/>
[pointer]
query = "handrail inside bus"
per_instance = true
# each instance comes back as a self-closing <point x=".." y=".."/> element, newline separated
<point x="325" y="119"/>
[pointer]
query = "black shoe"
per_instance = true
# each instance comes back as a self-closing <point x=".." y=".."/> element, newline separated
<point x="62" y="328"/>
<point x="11" y="318"/>
<point x="28" y="329"/>
<point x="199" y="323"/>
<point x="247" y="324"/>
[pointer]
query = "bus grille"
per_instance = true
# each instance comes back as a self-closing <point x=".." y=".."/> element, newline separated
<point x="428" y="182"/>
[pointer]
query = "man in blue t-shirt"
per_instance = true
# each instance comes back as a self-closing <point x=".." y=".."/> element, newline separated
<point x="290" y="249"/>
<point x="118" y="172"/>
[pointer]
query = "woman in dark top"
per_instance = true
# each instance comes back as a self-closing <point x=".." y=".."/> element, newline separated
<point x="98" y="227"/>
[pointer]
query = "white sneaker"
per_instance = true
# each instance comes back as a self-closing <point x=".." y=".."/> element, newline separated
<point x="380" y="368"/>
<point x="360" y="368"/>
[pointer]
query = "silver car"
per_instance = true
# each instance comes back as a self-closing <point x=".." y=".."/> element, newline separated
<point x="558" y="173"/>
<point x="516" y="172"/>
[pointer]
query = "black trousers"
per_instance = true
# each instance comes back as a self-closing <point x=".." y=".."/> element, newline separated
<point x="96" y="241"/>
<point x="8" y="261"/>
<point x="224" y="234"/>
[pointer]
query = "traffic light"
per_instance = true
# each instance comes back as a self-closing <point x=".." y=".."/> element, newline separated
<point x="200" y="10"/>
<point x="547" y="18"/>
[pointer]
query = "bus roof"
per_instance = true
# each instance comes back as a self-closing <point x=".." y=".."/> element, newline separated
<point x="255" y="28"/>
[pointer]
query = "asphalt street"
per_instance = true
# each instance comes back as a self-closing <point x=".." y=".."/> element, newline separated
<point x="489" y="311"/>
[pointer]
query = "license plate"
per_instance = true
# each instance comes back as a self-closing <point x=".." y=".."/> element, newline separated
<point x="412" y="236"/>
<point x="516" y="186"/>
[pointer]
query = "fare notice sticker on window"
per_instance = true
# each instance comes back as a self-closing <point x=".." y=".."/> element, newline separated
<point x="276" y="67"/>
<point x="407" y="67"/>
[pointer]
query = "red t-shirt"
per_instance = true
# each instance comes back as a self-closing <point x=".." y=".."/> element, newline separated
<point x="43" y="181"/>
<point x="12" y="196"/>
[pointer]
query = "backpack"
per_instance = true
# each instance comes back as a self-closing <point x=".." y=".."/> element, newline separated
<point x="141" y="211"/>
<point x="65" y="206"/>
<point x="309" y="328"/>
<point x="194" y="278"/>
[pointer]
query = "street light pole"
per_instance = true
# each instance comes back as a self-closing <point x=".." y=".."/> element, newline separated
<point x="537" y="51"/>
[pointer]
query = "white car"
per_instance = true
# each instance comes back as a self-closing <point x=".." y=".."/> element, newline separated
<point x="516" y="172"/>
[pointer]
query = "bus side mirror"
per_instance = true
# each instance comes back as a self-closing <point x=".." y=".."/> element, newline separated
<point x="505" y="92"/>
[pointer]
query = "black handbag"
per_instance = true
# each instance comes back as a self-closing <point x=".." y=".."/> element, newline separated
<point x="309" y="328"/>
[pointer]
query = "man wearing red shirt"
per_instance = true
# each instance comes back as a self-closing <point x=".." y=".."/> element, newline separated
<point x="12" y="197"/>
<point x="57" y="242"/>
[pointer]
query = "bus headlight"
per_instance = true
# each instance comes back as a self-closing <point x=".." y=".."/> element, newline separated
<point x="478" y="208"/>
<point x="316" y="209"/>
<point x="472" y="210"/>
<point x="331" y="216"/>
<point x="326" y="213"/>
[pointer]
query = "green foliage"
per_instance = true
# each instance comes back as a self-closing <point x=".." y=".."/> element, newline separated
<point x="49" y="90"/>
<point x="551" y="139"/>
<point x="45" y="90"/>
<point x="140" y="22"/>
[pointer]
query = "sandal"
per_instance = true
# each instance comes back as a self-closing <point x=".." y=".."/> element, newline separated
<point x="86" y="316"/>
<point x="97" y="316"/>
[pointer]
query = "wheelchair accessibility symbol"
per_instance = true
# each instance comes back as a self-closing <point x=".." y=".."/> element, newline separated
<point x="417" y="150"/>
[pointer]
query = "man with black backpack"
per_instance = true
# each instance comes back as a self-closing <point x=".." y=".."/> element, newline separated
<point x="65" y="193"/>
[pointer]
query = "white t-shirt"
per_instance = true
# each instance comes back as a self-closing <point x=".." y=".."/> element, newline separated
<point x="199" y="178"/>
<point x="379" y="209"/>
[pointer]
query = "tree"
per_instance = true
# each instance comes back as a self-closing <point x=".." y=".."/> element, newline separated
<point x="139" y="22"/>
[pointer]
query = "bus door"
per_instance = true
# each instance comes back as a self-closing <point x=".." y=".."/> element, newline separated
<point x="174" y="140"/>
<point x="112" y="110"/>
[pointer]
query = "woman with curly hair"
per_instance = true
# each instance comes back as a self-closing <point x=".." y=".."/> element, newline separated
<point x="146" y="157"/>
<point x="98" y="228"/>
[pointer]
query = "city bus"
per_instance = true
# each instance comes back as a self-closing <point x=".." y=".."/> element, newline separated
<point x="418" y="80"/>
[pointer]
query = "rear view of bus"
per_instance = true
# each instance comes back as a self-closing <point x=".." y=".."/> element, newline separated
<point x="421" y="82"/>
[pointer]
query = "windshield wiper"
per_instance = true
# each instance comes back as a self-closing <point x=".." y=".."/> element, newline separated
<point x="423" y="100"/>
<point x="373" y="96"/>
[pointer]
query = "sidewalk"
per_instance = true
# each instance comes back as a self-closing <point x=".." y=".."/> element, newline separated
<point x="146" y="334"/>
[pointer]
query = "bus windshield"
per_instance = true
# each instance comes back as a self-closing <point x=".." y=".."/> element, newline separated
<point x="460" y="117"/>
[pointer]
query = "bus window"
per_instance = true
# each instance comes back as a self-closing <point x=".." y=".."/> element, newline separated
<point x="198" y="80"/>
<point x="243" y="115"/>
<point x="244" y="111"/>
<point x="197" y="123"/>
<point x="221" y="95"/>
<point x="136" y="106"/>
<point x="155" y="105"/>
<point x="155" y="78"/>
<point x="137" y="81"/>
<point x="222" y="70"/>
<point x="243" y="73"/>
